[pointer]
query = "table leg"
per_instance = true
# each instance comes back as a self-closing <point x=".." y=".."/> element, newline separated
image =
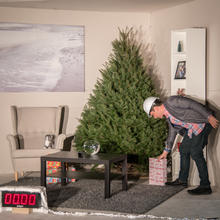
<point x="107" y="179"/>
<point x="124" y="174"/>
<point x="43" y="172"/>
<point x="63" y="173"/>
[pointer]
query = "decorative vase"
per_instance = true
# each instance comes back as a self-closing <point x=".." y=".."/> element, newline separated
<point x="179" y="48"/>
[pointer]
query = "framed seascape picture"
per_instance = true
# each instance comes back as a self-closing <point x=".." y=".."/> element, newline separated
<point x="180" y="70"/>
<point x="41" y="58"/>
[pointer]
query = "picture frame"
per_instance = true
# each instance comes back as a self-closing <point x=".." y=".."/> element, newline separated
<point x="42" y="57"/>
<point x="181" y="70"/>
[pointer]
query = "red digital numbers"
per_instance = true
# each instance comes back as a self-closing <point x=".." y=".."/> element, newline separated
<point x="8" y="197"/>
<point x="32" y="199"/>
<point x="20" y="199"/>
<point x="16" y="199"/>
<point x="24" y="199"/>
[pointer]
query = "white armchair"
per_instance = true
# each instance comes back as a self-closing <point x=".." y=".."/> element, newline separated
<point x="30" y="126"/>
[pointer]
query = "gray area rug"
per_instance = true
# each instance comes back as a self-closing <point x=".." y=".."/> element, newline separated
<point x="89" y="194"/>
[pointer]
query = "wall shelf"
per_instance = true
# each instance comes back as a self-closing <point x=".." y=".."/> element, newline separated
<point x="193" y="43"/>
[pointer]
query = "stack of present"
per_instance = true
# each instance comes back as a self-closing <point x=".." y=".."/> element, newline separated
<point x="157" y="171"/>
<point x="52" y="168"/>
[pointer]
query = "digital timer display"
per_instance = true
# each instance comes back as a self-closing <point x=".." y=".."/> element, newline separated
<point x="21" y="199"/>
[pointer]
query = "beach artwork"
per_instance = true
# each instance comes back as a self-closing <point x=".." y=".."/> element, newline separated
<point x="41" y="58"/>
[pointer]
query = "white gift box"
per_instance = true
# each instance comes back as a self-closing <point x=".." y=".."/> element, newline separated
<point x="157" y="171"/>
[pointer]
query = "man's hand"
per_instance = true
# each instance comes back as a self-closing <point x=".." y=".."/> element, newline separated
<point x="163" y="155"/>
<point x="213" y="121"/>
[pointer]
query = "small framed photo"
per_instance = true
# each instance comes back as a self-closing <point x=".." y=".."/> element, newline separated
<point x="181" y="70"/>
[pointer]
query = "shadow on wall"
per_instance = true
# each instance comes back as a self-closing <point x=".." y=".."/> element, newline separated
<point x="213" y="150"/>
<point x="149" y="55"/>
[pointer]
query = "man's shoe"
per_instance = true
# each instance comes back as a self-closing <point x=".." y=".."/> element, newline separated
<point x="177" y="182"/>
<point x="201" y="190"/>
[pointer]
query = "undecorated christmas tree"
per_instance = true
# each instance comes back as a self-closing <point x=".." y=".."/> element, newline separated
<point x="114" y="114"/>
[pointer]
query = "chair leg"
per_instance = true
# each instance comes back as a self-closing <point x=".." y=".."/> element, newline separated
<point x="16" y="176"/>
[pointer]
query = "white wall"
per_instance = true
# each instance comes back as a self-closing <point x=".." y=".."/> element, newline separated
<point x="199" y="13"/>
<point x="100" y="30"/>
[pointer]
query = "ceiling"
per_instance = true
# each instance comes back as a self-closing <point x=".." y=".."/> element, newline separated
<point x="95" y="5"/>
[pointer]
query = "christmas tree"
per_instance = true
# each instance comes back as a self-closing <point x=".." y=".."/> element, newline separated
<point x="114" y="115"/>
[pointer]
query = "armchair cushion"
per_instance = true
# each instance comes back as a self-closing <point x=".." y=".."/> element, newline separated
<point x="32" y="140"/>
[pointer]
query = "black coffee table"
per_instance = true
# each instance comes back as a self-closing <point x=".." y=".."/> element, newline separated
<point x="70" y="157"/>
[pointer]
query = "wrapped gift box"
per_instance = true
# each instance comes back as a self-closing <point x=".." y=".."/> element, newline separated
<point x="51" y="171"/>
<point x="53" y="164"/>
<point x="53" y="167"/>
<point x="157" y="171"/>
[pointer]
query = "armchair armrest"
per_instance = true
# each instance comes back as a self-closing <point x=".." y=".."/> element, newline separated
<point x="64" y="142"/>
<point x="13" y="142"/>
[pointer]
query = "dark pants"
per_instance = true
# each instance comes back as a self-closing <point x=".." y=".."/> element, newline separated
<point x="194" y="147"/>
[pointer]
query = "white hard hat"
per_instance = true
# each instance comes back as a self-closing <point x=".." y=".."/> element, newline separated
<point x="148" y="103"/>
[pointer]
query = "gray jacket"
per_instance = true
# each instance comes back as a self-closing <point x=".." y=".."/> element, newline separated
<point x="186" y="110"/>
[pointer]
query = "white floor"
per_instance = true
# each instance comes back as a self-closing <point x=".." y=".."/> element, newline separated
<point x="180" y="206"/>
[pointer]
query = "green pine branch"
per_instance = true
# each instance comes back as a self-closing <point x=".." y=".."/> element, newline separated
<point x="114" y="114"/>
